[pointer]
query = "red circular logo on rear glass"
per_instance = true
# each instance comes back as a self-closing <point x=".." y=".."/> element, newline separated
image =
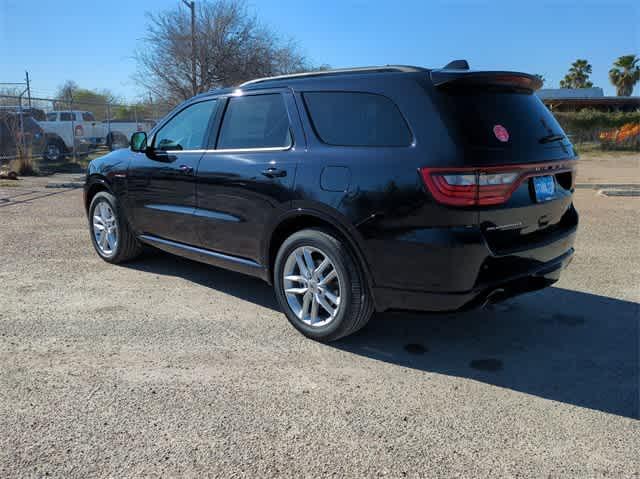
<point x="501" y="133"/>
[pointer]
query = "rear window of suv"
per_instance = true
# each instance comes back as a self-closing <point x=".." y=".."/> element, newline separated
<point x="356" y="119"/>
<point x="477" y="110"/>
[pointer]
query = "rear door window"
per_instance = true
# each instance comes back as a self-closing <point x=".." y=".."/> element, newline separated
<point x="255" y="121"/>
<point x="356" y="119"/>
<point x="86" y="116"/>
<point x="67" y="116"/>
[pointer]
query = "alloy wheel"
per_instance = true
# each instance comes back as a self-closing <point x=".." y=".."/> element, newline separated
<point x="105" y="228"/>
<point x="312" y="286"/>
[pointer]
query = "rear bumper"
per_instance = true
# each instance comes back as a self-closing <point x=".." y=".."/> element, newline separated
<point x="539" y="277"/>
<point x="469" y="273"/>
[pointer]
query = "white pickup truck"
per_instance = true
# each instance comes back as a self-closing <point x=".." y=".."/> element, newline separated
<point x="80" y="128"/>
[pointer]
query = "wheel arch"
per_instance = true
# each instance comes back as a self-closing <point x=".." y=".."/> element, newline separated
<point x="308" y="218"/>
<point x="95" y="184"/>
<point x="55" y="138"/>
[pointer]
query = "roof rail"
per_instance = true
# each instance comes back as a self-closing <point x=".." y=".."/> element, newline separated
<point x="336" y="71"/>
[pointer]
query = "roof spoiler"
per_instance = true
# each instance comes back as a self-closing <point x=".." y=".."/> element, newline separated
<point x="448" y="76"/>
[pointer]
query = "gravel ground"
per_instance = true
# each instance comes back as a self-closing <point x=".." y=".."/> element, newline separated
<point x="166" y="367"/>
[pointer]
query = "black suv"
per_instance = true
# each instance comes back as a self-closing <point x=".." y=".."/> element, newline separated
<point x="352" y="190"/>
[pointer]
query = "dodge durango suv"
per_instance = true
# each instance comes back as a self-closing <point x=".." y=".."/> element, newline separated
<point x="352" y="191"/>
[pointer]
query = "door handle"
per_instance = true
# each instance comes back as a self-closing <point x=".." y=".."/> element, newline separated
<point x="186" y="169"/>
<point x="274" y="172"/>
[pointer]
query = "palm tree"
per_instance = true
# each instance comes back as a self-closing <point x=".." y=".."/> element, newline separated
<point x="578" y="75"/>
<point x="625" y="74"/>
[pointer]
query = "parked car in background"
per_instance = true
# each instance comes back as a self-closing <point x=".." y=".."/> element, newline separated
<point x="79" y="124"/>
<point x="59" y="141"/>
<point x="118" y="132"/>
<point x="352" y="190"/>
<point x="82" y="127"/>
<point x="19" y="127"/>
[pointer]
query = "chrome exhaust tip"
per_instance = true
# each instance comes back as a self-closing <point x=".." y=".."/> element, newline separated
<point x="493" y="297"/>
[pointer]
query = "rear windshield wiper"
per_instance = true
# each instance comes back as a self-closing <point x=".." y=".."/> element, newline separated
<point x="551" y="138"/>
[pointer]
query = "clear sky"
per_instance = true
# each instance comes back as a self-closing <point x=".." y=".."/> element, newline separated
<point x="92" y="42"/>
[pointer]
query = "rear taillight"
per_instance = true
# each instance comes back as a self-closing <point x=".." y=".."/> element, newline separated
<point x="79" y="130"/>
<point x="483" y="186"/>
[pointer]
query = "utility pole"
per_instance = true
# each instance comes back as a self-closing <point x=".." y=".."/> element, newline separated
<point x="192" y="7"/>
<point x="28" y="88"/>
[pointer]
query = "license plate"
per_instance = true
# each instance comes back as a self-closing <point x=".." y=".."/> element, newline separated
<point x="544" y="187"/>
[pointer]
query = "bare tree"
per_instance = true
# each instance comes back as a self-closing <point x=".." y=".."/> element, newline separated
<point x="232" y="46"/>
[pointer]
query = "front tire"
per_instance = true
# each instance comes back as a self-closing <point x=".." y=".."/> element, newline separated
<point x="111" y="235"/>
<point x="320" y="286"/>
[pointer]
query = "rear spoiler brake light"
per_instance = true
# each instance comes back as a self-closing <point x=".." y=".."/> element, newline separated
<point x="500" y="78"/>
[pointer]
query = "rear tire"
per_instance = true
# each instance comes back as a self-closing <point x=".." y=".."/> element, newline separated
<point x="54" y="150"/>
<point x="299" y="289"/>
<point x="110" y="232"/>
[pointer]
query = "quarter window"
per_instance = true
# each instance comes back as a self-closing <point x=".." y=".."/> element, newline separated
<point x="86" y="116"/>
<point x="67" y="116"/>
<point x="188" y="129"/>
<point x="255" y="121"/>
<point x="356" y="119"/>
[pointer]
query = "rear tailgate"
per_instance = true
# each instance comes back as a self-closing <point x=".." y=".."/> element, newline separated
<point x="524" y="165"/>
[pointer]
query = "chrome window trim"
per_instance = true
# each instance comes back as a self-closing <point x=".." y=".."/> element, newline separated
<point x="234" y="150"/>
<point x="173" y="152"/>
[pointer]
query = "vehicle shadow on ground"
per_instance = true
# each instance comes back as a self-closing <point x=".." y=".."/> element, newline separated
<point x="235" y="284"/>
<point x="563" y="345"/>
<point x="576" y="348"/>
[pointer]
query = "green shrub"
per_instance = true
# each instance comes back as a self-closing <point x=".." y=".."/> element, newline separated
<point x="586" y="125"/>
<point x="591" y="119"/>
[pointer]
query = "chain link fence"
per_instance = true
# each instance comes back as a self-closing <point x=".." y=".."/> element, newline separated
<point x="44" y="135"/>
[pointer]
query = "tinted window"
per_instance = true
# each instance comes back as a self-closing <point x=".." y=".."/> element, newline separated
<point x="188" y="129"/>
<point x="51" y="116"/>
<point x="478" y="110"/>
<point x="86" y="116"/>
<point x="357" y="119"/>
<point x="258" y="121"/>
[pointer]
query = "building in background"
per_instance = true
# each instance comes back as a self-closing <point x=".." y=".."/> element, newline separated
<point x="575" y="99"/>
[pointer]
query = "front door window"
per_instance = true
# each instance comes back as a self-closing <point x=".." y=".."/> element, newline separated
<point x="188" y="129"/>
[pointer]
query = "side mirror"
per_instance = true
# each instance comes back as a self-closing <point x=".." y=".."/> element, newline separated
<point x="139" y="142"/>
